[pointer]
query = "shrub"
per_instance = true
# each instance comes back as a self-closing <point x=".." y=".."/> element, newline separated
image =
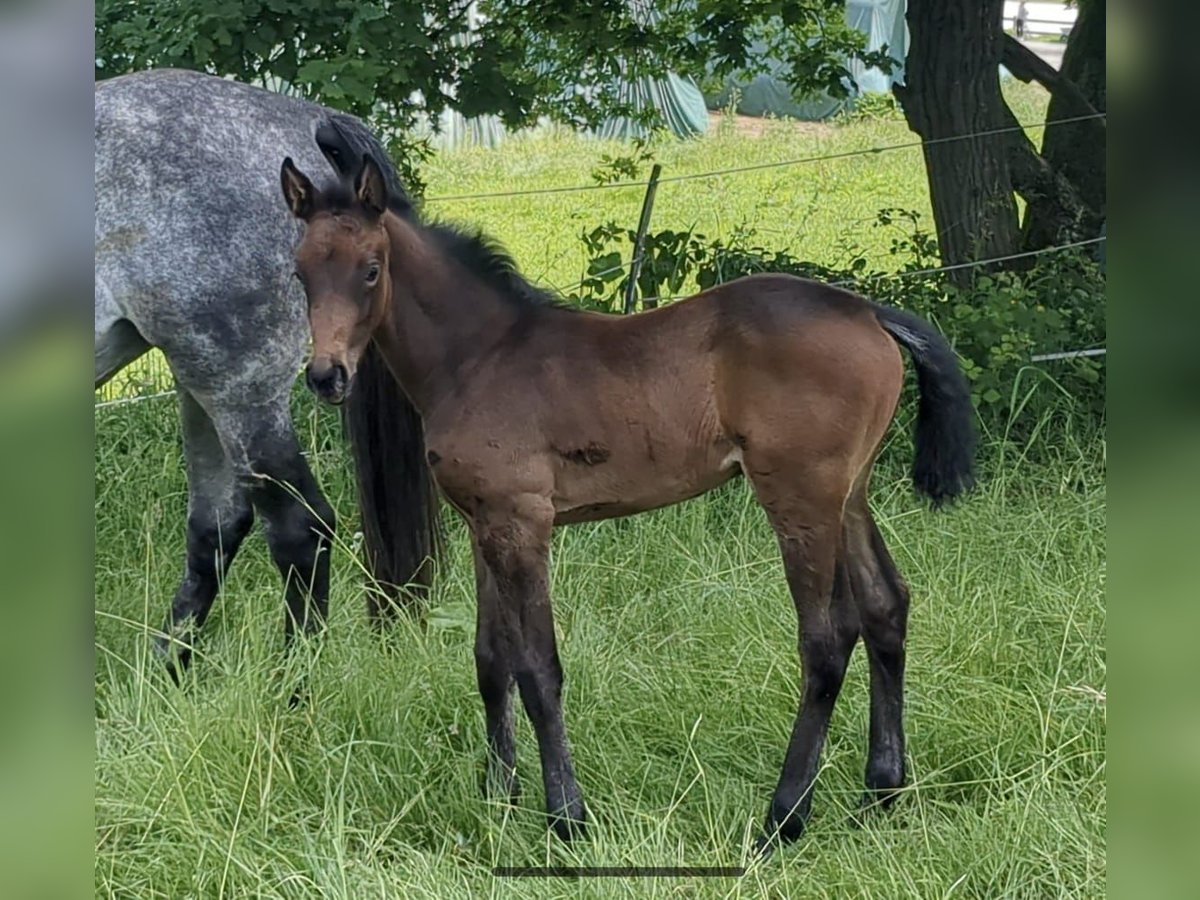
<point x="997" y="322"/>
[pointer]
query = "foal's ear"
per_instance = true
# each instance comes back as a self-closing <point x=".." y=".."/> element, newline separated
<point x="298" y="191"/>
<point x="370" y="186"/>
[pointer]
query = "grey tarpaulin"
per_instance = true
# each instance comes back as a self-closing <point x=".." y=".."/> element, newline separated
<point x="882" y="21"/>
<point x="677" y="99"/>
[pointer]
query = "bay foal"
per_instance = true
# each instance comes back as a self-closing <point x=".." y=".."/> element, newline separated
<point x="537" y="415"/>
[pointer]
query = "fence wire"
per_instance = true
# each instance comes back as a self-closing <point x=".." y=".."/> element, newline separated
<point x="733" y="170"/>
<point x="1042" y="357"/>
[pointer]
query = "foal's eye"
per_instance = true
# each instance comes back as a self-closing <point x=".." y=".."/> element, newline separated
<point x="372" y="274"/>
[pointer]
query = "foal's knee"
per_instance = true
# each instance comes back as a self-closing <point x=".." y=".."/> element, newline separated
<point x="491" y="672"/>
<point x="540" y="682"/>
<point x="824" y="657"/>
<point x="823" y="673"/>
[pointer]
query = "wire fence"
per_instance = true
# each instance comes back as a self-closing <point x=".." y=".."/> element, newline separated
<point x="1042" y="357"/>
<point x="733" y="170"/>
<point x="109" y="401"/>
<point x="137" y="398"/>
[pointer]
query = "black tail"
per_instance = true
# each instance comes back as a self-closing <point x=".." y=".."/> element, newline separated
<point x="944" y="466"/>
<point x="397" y="498"/>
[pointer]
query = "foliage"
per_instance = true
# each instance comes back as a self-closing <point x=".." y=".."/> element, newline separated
<point x="996" y="320"/>
<point x="870" y="106"/>
<point x="668" y="258"/>
<point x="624" y="166"/>
<point x="392" y="60"/>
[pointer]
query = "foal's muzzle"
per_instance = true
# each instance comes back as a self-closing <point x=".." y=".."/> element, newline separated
<point x="328" y="380"/>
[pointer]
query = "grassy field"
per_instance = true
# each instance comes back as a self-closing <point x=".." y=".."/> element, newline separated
<point x="676" y="631"/>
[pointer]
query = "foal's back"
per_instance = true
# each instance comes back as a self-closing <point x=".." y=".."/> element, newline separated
<point x="700" y="363"/>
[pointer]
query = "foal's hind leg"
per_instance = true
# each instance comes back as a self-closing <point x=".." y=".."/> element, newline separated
<point x="807" y="522"/>
<point x="882" y="601"/>
<point x="219" y="517"/>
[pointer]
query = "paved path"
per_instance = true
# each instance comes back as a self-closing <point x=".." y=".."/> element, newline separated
<point x="1050" y="51"/>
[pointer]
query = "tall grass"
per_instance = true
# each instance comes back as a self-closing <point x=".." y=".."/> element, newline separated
<point x="678" y="638"/>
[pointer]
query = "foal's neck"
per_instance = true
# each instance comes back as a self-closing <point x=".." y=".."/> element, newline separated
<point x="441" y="316"/>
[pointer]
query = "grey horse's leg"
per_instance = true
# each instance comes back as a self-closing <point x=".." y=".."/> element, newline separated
<point x="298" y="520"/>
<point x="117" y="345"/>
<point x="249" y="460"/>
<point x="219" y="517"/>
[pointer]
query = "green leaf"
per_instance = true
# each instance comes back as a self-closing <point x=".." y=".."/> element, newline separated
<point x="602" y="266"/>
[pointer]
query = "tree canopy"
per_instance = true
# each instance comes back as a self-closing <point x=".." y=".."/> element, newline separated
<point x="393" y="59"/>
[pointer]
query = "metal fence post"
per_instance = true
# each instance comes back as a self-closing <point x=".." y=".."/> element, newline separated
<point x="635" y="266"/>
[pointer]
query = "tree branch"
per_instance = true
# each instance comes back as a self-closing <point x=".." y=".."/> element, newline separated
<point x="1044" y="188"/>
<point x="1027" y="66"/>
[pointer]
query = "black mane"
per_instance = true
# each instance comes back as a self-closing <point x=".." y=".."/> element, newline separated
<point x="343" y="141"/>
<point x="491" y="263"/>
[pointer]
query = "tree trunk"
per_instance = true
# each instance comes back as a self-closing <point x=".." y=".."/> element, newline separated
<point x="952" y="89"/>
<point x="1076" y="151"/>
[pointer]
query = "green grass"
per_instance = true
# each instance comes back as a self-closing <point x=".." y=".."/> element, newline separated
<point x="678" y="638"/>
<point x="676" y="631"/>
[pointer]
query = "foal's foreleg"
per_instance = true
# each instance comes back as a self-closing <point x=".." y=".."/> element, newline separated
<point x="493" y="670"/>
<point x="517" y="554"/>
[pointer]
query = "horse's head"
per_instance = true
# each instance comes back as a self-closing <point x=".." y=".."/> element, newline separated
<point x="342" y="261"/>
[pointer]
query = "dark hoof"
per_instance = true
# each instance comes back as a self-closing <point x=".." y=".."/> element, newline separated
<point x="884" y="785"/>
<point x="878" y="799"/>
<point x="176" y="657"/>
<point x="784" y="824"/>
<point x="569" y="824"/>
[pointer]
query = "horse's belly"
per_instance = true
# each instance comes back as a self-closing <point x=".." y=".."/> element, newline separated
<point x="625" y="489"/>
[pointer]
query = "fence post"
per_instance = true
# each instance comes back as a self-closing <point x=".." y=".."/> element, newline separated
<point x="635" y="266"/>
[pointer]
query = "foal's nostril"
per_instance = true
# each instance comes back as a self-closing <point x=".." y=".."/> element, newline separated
<point x="339" y="377"/>
<point x="328" y="383"/>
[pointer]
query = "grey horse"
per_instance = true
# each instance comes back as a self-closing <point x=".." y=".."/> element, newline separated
<point x="194" y="256"/>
